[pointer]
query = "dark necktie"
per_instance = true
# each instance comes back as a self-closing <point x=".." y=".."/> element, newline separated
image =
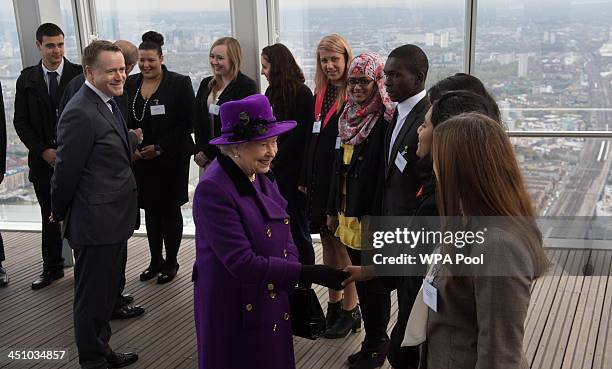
<point x="53" y="88"/>
<point x="119" y="122"/>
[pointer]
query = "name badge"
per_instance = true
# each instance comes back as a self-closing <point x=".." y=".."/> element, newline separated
<point x="158" y="109"/>
<point x="337" y="143"/>
<point x="430" y="296"/>
<point x="400" y="162"/>
<point x="316" y="127"/>
<point x="213" y="109"/>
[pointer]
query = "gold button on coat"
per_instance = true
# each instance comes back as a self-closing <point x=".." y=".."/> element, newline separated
<point x="272" y="295"/>
<point x="269" y="232"/>
<point x="286" y="316"/>
<point x="286" y="221"/>
<point x="270" y="287"/>
<point x="274" y="328"/>
<point x="249" y="307"/>
<point x="285" y="252"/>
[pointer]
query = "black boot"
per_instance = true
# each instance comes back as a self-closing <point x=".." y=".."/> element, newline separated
<point x="349" y="320"/>
<point x="333" y="313"/>
<point x="371" y="358"/>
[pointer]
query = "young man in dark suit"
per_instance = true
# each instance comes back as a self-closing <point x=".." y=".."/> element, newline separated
<point x="39" y="89"/>
<point x="94" y="194"/>
<point x="406" y="71"/>
<point x="4" y="279"/>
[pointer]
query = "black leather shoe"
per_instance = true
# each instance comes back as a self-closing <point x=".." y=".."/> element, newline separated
<point x="349" y="320"/>
<point x="167" y="274"/>
<point x="373" y="357"/>
<point x="4" y="279"/>
<point x="149" y="273"/>
<point x="127" y="312"/>
<point x="46" y="278"/>
<point x="121" y="359"/>
<point x="352" y="358"/>
<point x="126" y="299"/>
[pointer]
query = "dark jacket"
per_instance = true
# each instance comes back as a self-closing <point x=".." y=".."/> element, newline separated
<point x="399" y="189"/>
<point x="318" y="168"/>
<point x="2" y="135"/>
<point x="164" y="179"/>
<point x="362" y="175"/>
<point x="93" y="189"/>
<point x="204" y="129"/>
<point x="292" y="145"/>
<point x="75" y="85"/>
<point x="35" y="118"/>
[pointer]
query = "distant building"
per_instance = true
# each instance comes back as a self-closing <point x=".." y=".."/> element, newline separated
<point x="523" y="65"/>
<point x="429" y="39"/>
<point x="444" y="37"/>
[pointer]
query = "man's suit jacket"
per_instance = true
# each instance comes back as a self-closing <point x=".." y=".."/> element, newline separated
<point x="400" y="188"/>
<point x="35" y="117"/>
<point x="93" y="189"/>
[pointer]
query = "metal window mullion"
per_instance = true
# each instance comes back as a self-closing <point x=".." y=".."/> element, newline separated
<point x="469" y="57"/>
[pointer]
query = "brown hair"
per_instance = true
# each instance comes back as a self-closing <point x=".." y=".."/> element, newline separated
<point x="285" y="79"/>
<point x="93" y="50"/>
<point x="234" y="54"/>
<point x="337" y="44"/>
<point x="486" y="181"/>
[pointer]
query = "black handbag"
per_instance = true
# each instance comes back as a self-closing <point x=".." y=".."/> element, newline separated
<point x="307" y="318"/>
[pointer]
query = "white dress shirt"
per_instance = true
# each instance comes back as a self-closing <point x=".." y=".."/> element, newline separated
<point x="59" y="71"/>
<point x="102" y="95"/>
<point x="403" y="109"/>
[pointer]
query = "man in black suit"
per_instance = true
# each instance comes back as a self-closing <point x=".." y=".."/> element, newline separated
<point x="93" y="191"/>
<point x="39" y="89"/>
<point x="4" y="279"/>
<point x="123" y="308"/>
<point x="406" y="71"/>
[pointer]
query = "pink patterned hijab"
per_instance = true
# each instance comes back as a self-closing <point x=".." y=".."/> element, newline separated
<point x="357" y="121"/>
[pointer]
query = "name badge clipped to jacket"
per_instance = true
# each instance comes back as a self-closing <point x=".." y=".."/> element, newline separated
<point x="158" y="109"/>
<point x="400" y="162"/>
<point x="213" y="109"/>
<point x="316" y="127"/>
<point x="338" y="142"/>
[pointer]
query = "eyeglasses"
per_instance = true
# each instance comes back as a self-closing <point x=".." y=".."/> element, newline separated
<point x="362" y="82"/>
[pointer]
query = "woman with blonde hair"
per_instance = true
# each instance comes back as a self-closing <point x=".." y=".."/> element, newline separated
<point x="227" y="83"/>
<point x="333" y="56"/>
<point x="479" y="316"/>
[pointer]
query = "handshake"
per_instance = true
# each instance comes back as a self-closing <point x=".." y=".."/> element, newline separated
<point x="324" y="276"/>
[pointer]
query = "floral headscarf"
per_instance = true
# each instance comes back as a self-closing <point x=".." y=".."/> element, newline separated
<point x="357" y="120"/>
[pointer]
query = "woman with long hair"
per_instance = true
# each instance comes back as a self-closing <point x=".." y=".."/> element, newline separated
<point x="333" y="56"/>
<point x="227" y="83"/>
<point x="479" y="319"/>
<point x="160" y="103"/>
<point x="291" y="99"/>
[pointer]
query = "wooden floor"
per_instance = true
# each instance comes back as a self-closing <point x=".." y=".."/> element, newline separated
<point x="569" y="323"/>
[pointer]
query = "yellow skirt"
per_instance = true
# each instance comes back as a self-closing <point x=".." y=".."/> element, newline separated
<point x="349" y="231"/>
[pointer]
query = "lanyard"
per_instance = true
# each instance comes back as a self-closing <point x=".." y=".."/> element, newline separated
<point x="319" y="106"/>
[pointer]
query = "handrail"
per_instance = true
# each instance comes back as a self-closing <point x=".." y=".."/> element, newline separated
<point x="562" y="134"/>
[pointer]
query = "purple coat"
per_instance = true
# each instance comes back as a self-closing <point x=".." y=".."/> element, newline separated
<point x="245" y="264"/>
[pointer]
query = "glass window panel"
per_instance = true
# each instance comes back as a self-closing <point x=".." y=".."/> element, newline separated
<point x="17" y="199"/>
<point x="437" y="26"/>
<point x="71" y="48"/>
<point x="189" y="29"/>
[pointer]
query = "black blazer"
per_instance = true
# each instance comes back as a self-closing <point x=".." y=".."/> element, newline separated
<point x="164" y="179"/>
<point x="292" y="145"/>
<point x="204" y="129"/>
<point x="75" y="85"/>
<point x="35" y="118"/>
<point x="362" y="175"/>
<point x="399" y="189"/>
<point x="318" y="168"/>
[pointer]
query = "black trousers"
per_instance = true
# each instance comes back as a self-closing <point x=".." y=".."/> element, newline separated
<point x="2" y="256"/>
<point x="164" y="227"/>
<point x="97" y="276"/>
<point x="300" y="229"/>
<point x="408" y="356"/>
<point x="375" y="303"/>
<point x="51" y="232"/>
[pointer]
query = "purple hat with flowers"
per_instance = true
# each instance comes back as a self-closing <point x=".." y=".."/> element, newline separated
<point x="249" y="119"/>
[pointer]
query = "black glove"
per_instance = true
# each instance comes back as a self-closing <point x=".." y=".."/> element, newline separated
<point x="323" y="275"/>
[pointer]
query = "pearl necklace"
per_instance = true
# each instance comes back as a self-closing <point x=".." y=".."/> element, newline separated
<point x="144" y="108"/>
